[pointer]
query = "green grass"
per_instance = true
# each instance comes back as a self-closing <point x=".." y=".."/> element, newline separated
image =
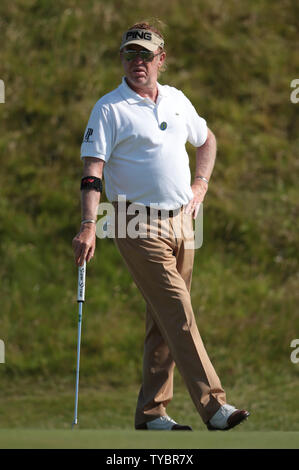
<point x="47" y="405"/>
<point x="127" y="439"/>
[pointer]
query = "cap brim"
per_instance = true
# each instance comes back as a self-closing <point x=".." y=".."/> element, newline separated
<point x="146" y="44"/>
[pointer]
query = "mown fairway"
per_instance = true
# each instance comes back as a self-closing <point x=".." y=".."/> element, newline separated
<point x="235" y="61"/>
<point x="127" y="439"/>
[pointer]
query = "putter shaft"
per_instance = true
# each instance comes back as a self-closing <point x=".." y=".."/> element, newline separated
<point x="78" y="364"/>
<point x="81" y="299"/>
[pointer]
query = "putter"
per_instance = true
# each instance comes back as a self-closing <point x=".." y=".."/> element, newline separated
<point x="80" y="299"/>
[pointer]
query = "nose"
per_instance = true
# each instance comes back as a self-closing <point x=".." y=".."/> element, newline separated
<point x="138" y="60"/>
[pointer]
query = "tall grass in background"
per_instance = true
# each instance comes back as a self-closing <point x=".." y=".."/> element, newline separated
<point x="235" y="61"/>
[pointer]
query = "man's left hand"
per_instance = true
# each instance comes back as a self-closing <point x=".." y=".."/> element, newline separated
<point x="199" y="188"/>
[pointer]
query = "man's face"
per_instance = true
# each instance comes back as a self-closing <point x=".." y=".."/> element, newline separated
<point x="139" y="72"/>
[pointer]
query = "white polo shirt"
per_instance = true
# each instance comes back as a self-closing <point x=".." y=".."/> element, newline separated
<point x="143" y="145"/>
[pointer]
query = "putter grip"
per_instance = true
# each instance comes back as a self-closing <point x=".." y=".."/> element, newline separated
<point x="81" y="282"/>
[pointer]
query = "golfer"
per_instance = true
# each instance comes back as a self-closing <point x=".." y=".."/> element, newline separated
<point x="135" y="139"/>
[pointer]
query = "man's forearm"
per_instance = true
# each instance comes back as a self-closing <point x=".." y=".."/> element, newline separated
<point x="90" y="199"/>
<point x="89" y="204"/>
<point x="205" y="157"/>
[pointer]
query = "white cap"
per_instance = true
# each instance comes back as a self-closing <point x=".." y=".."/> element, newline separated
<point x="142" y="37"/>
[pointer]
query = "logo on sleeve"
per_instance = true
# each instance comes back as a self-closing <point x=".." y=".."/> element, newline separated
<point x="89" y="132"/>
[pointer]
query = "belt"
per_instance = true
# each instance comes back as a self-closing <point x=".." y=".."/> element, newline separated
<point x="152" y="210"/>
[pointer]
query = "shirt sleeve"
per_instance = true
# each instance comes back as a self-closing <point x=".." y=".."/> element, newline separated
<point x="196" y="125"/>
<point x="99" y="134"/>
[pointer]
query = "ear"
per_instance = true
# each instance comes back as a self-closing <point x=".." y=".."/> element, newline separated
<point x="162" y="58"/>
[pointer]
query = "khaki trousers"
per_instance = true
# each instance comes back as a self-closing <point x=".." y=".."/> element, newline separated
<point x="161" y="264"/>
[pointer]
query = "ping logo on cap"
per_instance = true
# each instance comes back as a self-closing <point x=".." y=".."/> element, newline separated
<point x="139" y="35"/>
<point x="144" y="37"/>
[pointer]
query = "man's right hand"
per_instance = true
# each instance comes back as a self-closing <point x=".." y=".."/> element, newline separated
<point x="84" y="243"/>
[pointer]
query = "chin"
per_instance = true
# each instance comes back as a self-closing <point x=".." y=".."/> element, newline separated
<point x="138" y="80"/>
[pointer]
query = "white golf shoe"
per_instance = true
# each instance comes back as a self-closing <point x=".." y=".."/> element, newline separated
<point x="226" y="417"/>
<point x="163" y="423"/>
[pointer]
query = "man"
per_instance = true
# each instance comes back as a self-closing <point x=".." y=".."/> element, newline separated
<point x="136" y="136"/>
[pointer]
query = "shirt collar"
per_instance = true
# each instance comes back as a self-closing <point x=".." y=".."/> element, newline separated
<point x="132" y="97"/>
<point x="162" y="90"/>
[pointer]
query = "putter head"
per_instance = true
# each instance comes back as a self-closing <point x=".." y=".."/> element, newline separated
<point x="74" y="423"/>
